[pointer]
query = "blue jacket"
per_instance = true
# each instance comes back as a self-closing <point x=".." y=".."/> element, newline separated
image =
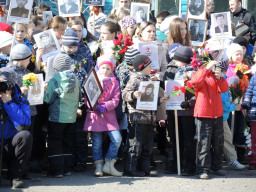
<point x="227" y="105"/>
<point x="18" y="115"/>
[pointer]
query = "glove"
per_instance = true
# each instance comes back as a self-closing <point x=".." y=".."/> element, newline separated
<point x="246" y="105"/>
<point x="101" y="108"/>
<point x="185" y="105"/>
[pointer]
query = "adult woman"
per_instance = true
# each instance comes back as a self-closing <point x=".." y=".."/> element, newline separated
<point x="178" y="32"/>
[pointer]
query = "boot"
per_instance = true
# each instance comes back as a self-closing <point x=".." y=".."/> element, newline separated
<point x="110" y="169"/>
<point x="98" y="170"/>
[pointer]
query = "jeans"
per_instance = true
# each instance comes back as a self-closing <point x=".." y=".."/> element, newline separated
<point x="115" y="141"/>
<point x="210" y="144"/>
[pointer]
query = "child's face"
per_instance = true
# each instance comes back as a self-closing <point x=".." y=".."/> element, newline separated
<point x="59" y="32"/>
<point x="158" y="22"/>
<point x="70" y="49"/>
<point x="105" y="34"/>
<point x="20" y="34"/>
<point x="130" y="30"/>
<point x="105" y="70"/>
<point x="180" y="64"/>
<point x="79" y="31"/>
<point x="147" y="70"/>
<point x="237" y="57"/>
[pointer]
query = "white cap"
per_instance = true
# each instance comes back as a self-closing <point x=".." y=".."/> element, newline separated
<point x="164" y="27"/>
<point x="6" y="38"/>
<point x="233" y="48"/>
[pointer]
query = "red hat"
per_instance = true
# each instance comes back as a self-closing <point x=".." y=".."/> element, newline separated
<point x="5" y="27"/>
<point x="108" y="63"/>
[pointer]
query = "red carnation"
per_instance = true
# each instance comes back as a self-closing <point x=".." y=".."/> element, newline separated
<point x="122" y="51"/>
<point x="176" y="88"/>
<point x="116" y="42"/>
<point x="189" y="84"/>
<point x="183" y="89"/>
<point x="120" y="36"/>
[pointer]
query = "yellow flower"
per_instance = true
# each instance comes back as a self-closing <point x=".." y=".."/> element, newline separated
<point x="32" y="77"/>
<point x="26" y="77"/>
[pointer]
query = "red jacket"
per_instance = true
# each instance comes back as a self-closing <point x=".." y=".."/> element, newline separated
<point x="207" y="91"/>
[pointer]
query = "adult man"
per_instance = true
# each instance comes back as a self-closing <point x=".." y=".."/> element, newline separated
<point x="20" y="10"/>
<point x="69" y="6"/>
<point x="240" y="16"/>
<point x="221" y="27"/>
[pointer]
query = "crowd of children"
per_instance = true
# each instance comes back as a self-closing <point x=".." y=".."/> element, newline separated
<point x="116" y="128"/>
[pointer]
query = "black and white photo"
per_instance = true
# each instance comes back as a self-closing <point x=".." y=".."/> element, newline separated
<point x="95" y="2"/>
<point x="20" y="10"/>
<point x="221" y="25"/>
<point x="47" y="41"/>
<point x="69" y="8"/>
<point x="47" y="16"/>
<point x="149" y="95"/>
<point x="196" y="9"/>
<point x="140" y="12"/>
<point x="92" y="88"/>
<point x="198" y="31"/>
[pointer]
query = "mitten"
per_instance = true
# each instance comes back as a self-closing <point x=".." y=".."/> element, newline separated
<point x="185" y="105"/>
<point x="246" y="105"/>
<point x="101" y="108"/>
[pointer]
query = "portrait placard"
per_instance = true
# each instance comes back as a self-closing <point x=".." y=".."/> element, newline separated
<point x="150" y="49"/>
<point x="69" y="8"/>
<point x="20" y="11"/>
<point x="215" y="44"/>
<point x="198" y="31"/>
<point x="92" y="88"/>
<point x="36" y="92"/>
<point x="3" y="2"/>
<point x="149" y="97"/>
<point x="140" y="11"/>
<point x="196" y="9"/>
<point x="174" y="102"/>
<point x="221" y="25"/>
<point x="47" y="16"/>
<point x="47" y="41"/>
<point x="95" y="2"/>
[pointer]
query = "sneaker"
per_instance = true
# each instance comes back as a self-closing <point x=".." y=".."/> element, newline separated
<point x="235" y="165"/>
<point x="203" y="176"/>
<point x="152" y="173"/>
<point x="219" y="172"/>
<point x="17" y="183"/>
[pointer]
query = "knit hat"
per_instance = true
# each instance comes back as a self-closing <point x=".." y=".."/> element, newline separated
<point x="183" y="54"/>
<point x="70" y="38"/>
<point x="8" y="75"/>
<point x="224" y="65"/>
<point x="172" y="49"/>
<point x="129" y="55"/>
<point x="232" y="49"/>
<point x="140" y="62"/>
<point x="6" y="39"/>
<point x="20" y="52"/>
<point x="164" y="27"/>
<point x="5" y="27"/>
<point x="62" y="62"/>
<point x="241" y="41"/>
<point x="128" y="21"/>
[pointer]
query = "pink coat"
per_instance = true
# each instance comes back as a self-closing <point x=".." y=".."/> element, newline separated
<point x="94" y="122"/>
<point x="230" y="71"/>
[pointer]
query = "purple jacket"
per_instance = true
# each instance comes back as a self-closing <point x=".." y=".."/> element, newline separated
<point x="94" y="122"/>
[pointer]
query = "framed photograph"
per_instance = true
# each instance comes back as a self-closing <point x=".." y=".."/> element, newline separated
<point x="48" y="41"/>
<point x="3" y="2"/>
<point x="36" y="92"/>
<point x="174" y="102"/>
<point x="140" y="11"/>
<point x="20" y="10"/>
<point x="149" y="97"/>
<point x="92" y="88"/>
<point x="221" y="25"/>
<point x="69" y="8"/>
<point x="47" y="16"/>
<point x="150" y="49"/>
<point x="198" y="31"/>
<point x="196" y="9"/>
<point x="95" y="2"/>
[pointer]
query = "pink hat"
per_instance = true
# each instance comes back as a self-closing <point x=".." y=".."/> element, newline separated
<point x="106" y="60"/>
<point x="108" y="63"/>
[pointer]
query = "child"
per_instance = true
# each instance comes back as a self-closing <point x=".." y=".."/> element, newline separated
<point x="160" y="17"/>
<point x="103" y="119"/>
<point x="141" y="131"/>
<point x="128" y="26"/>
<point x="21" y="35"/>
<point x="5" y="47"/>
<point x="62" y="95"/>
<point x="209" y="111"/>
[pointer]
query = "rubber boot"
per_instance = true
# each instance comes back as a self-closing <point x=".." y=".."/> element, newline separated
<point x="98" y="170"/>
<point x="110" y="169"/>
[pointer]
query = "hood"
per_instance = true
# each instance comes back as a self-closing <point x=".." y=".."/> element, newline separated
<point x="17" y="68"/>
<point x="67" y="81"/>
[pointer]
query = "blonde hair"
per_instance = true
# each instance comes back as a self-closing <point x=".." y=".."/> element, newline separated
<point x="57" y="22"/>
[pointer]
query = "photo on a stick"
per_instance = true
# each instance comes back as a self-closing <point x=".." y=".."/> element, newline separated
<point x="221" y="25"/>
<point x="196" y="9"/>
<point x="20" y="11"/>
<point x="198" y="31"/>
<point x="69" y="8"/>
<point x="140" y="12"/>
<point x="47" y="16"/>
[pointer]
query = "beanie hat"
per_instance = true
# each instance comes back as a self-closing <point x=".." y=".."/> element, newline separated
<point x="128" y="21"/>
<point x="6" y="39"/>
<point x="20" y="52"/>
<point x="8" y="75"/>
<point x="140" y="62"/>
<point x="70" y="38"/>
<point x="172" y="49"/>
<point x="104" y="59"/>
<point x="62" y="62"/>
<point x="241" y="41"/>
<point x="5" y="27"/>
<point x="232" y="49"/>
<point x="164" y="27"/>
<point x="224" y="65"/>
<point x="183" y="54"/>
<point x="129" y="55"/>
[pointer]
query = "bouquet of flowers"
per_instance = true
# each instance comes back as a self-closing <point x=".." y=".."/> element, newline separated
<point x="120" y="46"/>
<point x="29" y="79"/>
<point x="177" y="90"/>
<point x="204" y="60"/>
<point x="239" y="89"/>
